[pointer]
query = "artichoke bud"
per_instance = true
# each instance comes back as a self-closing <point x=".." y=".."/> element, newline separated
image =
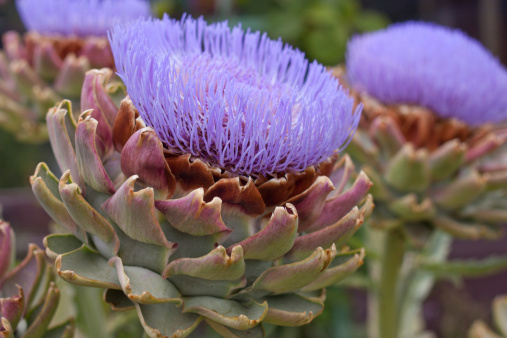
<point x="429" y="185"/>
<point x="434" y="149"/>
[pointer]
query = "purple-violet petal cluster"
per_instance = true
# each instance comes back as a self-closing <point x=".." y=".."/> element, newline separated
<point x="432" y="66"/>
<point x="79" y="17"/>
<point x="236" y="99"/>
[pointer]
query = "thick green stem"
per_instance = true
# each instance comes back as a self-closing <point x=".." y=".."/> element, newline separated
<point x="394" y="250"/>
<point x="419" y="283"/>
<point x="91" y="318"/>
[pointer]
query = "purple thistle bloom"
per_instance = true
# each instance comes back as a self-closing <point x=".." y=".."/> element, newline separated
<point x="79" y="17"/>
<point x="236" y="99"/>
<point x="432" y="66"/>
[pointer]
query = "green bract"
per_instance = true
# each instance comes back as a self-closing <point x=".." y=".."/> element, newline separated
<point x="181" y="241"/>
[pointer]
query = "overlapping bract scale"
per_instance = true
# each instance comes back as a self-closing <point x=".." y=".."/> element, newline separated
<point x="181" y="241"/>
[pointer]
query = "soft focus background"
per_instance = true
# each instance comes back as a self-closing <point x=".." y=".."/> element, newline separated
<point x="321" y="29"/>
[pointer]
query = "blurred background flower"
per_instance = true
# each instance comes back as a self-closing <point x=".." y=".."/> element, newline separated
<point x="431" y="66"/>
<point x="423" y="137"/>
<point x="78" y="17"/>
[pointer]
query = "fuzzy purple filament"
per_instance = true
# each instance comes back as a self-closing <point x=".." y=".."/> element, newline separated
<point x="236" y="99"/>
<point x="432" y="66"/>
<point x="79" y="17"/>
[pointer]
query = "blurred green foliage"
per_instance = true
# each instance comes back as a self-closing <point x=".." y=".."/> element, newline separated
<point x="320" y="28"/>
<point x="18" y="160"/>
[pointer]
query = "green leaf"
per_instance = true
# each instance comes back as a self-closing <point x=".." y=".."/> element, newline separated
<point x="465" y="229"/>
<point x="419" y="283"/>
<point x="467" y="268"/>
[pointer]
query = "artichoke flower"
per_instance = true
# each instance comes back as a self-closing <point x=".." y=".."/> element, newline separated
<point x="480" y="329"/>
<point x="28" y="295"/>
<point x="431" y="139"/>
<point x="65" y="39"/>
<point x="431" y="135"/>
<point x="214" y="193"/>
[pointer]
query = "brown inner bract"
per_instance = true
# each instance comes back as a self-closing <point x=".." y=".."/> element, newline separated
<point x="65" y="46"/>
<point x="254" y="194"/>
<point x="62" y="45"/>
<point x="419" y="125"/>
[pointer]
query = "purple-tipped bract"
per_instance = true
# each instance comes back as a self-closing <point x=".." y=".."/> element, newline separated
<point x="79" y="17"/>
<point x="236" y="99"/>
<point x="432" y="66"/>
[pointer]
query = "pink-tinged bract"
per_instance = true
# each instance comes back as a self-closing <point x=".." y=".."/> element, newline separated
<point x="432" y="66"/>
<point x="79" y="17"/>
<point x="234" y="98"/>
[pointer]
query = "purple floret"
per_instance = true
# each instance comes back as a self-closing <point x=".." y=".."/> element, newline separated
<point x="432" y="66"/>
<point x="79" y="17"/>
<point x="235" y="99"/>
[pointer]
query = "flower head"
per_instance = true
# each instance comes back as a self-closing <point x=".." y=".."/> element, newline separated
<point x="432" y="66"/>
<point x="236" y="99"/>
<point x="79" y="17"/>
<point x="183" y="242"/>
